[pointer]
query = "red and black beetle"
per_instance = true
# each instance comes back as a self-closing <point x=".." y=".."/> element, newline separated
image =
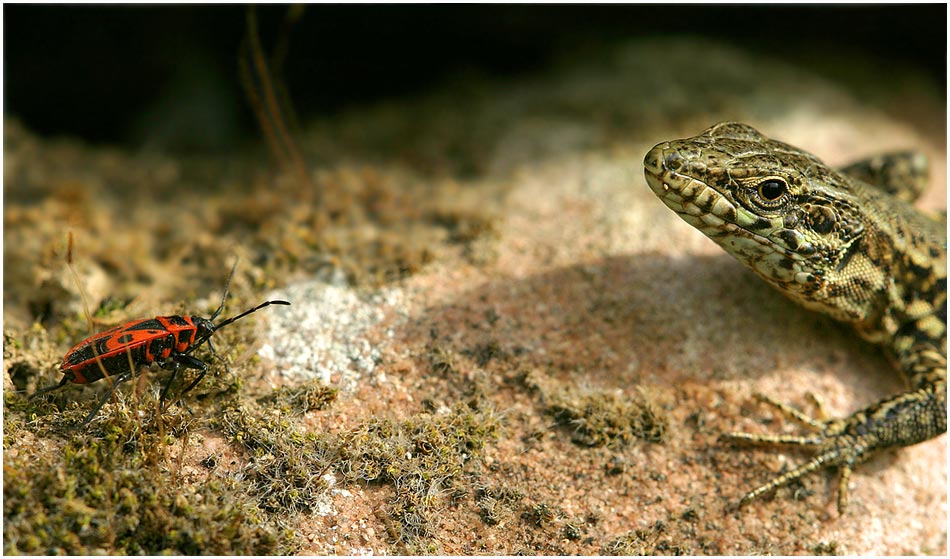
<point x="117" y="353"/>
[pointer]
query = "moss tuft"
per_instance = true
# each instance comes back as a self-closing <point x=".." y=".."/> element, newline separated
<point x="422" y="457"/>
<point x="100" y="493"/>
<point x="308" y="397"/>
<point x="286" y="466"/>
<point x="600" y="418"/>
<point x="494" y="503"/>
<point x="655" y="540"/>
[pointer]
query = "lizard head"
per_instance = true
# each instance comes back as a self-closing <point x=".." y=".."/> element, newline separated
<point x="779" y="210"/>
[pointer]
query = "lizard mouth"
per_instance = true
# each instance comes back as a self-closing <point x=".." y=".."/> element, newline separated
<point x="698" y="203"/>
<point x="714" y="212"/>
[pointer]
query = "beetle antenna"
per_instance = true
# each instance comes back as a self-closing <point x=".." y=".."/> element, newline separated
<point x="224" y="323"/>
<point x="227" y="286"/>
<point x="247" y="312"/>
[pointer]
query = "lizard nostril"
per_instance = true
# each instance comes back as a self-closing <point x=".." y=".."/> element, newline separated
<point x="651" y="161"/>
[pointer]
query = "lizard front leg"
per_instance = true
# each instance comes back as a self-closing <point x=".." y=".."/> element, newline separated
<point x="902" y="420"/>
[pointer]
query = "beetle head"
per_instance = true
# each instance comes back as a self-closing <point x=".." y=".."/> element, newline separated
<point x="204" y="327"/>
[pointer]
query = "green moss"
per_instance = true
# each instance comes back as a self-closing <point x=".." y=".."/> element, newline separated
<point x="115" y="486"/>
<point x="286" y="466"/>
<point x="541" y="515"/>
<point x="110" y="305"/>
<point x="310" y="396"/>
<point x="442" y="359"/>
<point x="572" y="531"/>
<point x="655" y="540"/>
<point x="495" y="503"/>
<point x="826" y="548"/>
<point x="100" y="492"/>
<point x="600" y="418"/>
<point x="422" y="457"/>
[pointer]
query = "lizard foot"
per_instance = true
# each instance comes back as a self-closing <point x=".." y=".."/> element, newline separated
<point x="835" y="441"/>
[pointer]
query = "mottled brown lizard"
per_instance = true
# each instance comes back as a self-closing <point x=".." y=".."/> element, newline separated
<point x="846" y="243"/>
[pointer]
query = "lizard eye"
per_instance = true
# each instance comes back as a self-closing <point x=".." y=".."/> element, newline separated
<point x="771" y="190"/>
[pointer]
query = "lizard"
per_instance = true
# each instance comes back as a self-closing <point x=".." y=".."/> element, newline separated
<point x="846" y="243"/>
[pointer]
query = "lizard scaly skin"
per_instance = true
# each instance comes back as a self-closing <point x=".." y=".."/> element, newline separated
<point x="834" y="243"/>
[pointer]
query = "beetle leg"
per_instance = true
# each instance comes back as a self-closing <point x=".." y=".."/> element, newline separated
<point x="218" y="357"/>
<point x="66" y="379"/>
<point x="192" y="363"/>
<point x="214" y="354"/>
<point x="115" y="383"/>
<point x="173" y="365"/>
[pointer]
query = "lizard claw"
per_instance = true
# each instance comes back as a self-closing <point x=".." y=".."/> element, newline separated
<point x="835" y="442"/>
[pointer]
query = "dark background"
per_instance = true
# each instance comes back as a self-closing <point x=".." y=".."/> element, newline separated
<point x="124" y="74"/>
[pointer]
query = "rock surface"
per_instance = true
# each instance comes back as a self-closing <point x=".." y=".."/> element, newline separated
<point x="595" y="286"/>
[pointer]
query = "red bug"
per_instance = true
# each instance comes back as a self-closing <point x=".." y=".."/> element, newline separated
<point x="119" y="352"/>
